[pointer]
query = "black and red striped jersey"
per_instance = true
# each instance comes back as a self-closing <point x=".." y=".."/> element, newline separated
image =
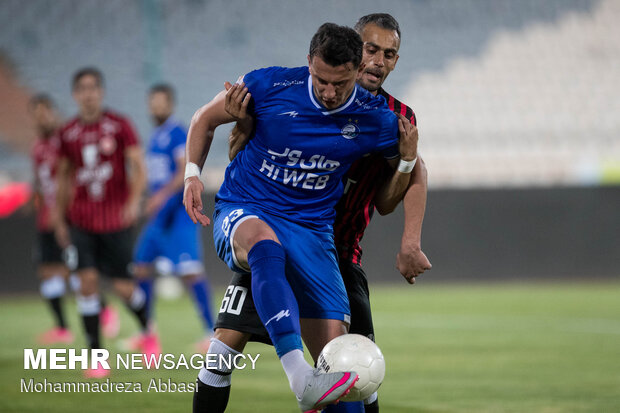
<point x="100" y="181"/>
<point x="357" y="205"/>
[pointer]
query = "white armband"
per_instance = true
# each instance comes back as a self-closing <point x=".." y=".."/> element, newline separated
<point x="191" y="169"/>
<point x="406" y="166"/>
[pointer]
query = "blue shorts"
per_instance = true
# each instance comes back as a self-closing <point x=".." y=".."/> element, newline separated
<point x="311" y="260"/>
<point x="174" y="237"/>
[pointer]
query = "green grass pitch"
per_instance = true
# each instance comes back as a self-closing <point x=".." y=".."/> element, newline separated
<point x="499" y="348"/>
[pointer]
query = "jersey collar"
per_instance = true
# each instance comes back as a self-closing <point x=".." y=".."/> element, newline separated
<point x="322" y="108"/>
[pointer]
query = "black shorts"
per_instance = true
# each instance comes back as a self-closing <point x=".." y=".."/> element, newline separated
<point x="110" y="253"/>
<point x="238" y="313"/>
<point x="47" y="250"/>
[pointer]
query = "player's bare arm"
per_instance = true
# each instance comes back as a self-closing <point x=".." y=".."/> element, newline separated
<point x="199" y="139"/>
<point x="237" y="100"/>
<point x="411" y="260"/>
<point x="393" y="191"/>
<point x="137" y="183"/>
<point x="63" y="184"/>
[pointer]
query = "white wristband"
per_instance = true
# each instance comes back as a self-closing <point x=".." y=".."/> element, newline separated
<point x="191" y="169"/>
<point x="406" y="166"/>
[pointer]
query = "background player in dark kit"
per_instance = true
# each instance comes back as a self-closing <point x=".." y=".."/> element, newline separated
<point x="50" y="265"/>
<point x="96" y="148"/>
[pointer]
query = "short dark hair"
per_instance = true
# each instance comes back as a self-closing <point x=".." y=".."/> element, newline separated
<point x="87" y="71"/>
<point x="337" y="45"/>
<point x="383" y="20"/>
<point x="41" y="99"/>
<point x="164" y="88"/>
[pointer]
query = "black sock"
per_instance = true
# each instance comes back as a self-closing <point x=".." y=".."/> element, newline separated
<point x="91" y="326"/>
<point x="55" y="303"/>
<point x="372" y="407"/>
<point x="210" y="399"/>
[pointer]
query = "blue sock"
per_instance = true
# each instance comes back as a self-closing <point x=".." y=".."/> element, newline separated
<point x="273" y="297"/>
<point x="345" y="407"/>
<point x="202" y="297"/>
<point x="146" y="284"/>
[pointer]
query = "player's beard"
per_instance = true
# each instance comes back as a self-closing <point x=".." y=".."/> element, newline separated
<point x="159" y="120"/>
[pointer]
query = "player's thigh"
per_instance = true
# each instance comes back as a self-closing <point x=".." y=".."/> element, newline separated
<point x="318" y="332"/>
<point x="115" y="254"/>
<point x="236" y="228"/>
<point x="312" y="271"/>
<point x="238" y="314"/>
<point x="356" y="284"/>
<point x="48" y="256"/>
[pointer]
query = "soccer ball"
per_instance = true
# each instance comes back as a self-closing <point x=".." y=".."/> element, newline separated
<point x="354" y="352"/>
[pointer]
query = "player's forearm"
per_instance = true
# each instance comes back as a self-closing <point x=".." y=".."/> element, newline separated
<point x="414" y="204"/>
<point x="199" y="137"/>
<point x="392" y="192"/>
<point x="138" y="177"/>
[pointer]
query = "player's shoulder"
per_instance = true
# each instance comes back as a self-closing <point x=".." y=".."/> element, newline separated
<point x="398" y="107"/>
<point x="275" y="76"/>
<point x="373" y="105"/>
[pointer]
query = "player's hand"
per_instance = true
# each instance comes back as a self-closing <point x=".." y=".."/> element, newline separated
<point x="411" y="262"/>
<point x="237" y="100"/>
<point x="192" y="199"/>
<point x="61" y="233"/>
<point x="154" y="203"/>
<point x="130" y="212"/>
<point x="408" y="142"/>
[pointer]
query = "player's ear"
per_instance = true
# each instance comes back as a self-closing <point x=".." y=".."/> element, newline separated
<point x="396" y="59"/>
<point x="309" y="61"/>
<point x="360" y="68"/>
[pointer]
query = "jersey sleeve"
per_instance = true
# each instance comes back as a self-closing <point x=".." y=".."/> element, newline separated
<point x="388" y="138"/>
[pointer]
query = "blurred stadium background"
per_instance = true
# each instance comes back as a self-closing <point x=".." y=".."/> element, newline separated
<point x="518" y="103"/>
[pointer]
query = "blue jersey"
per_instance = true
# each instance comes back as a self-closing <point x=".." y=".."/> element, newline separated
<point x="294" y="163"/>
<point x="167" y="144"/>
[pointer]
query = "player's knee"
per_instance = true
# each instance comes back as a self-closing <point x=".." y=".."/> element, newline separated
<point x="232" y="338"/>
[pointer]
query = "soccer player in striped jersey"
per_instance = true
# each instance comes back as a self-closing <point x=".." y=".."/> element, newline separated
<point x="365" y="190"/>
<point x="96" y="149"/>
<point x="50" y="266"/>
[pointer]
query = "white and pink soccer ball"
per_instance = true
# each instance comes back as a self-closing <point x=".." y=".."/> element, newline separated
<point x="354" y="352"/>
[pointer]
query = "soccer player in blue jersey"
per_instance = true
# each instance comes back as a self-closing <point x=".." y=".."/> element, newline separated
<point x="275" y="210"/>
<point x="169" y="232"/>
<point x="367" y="186"/>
